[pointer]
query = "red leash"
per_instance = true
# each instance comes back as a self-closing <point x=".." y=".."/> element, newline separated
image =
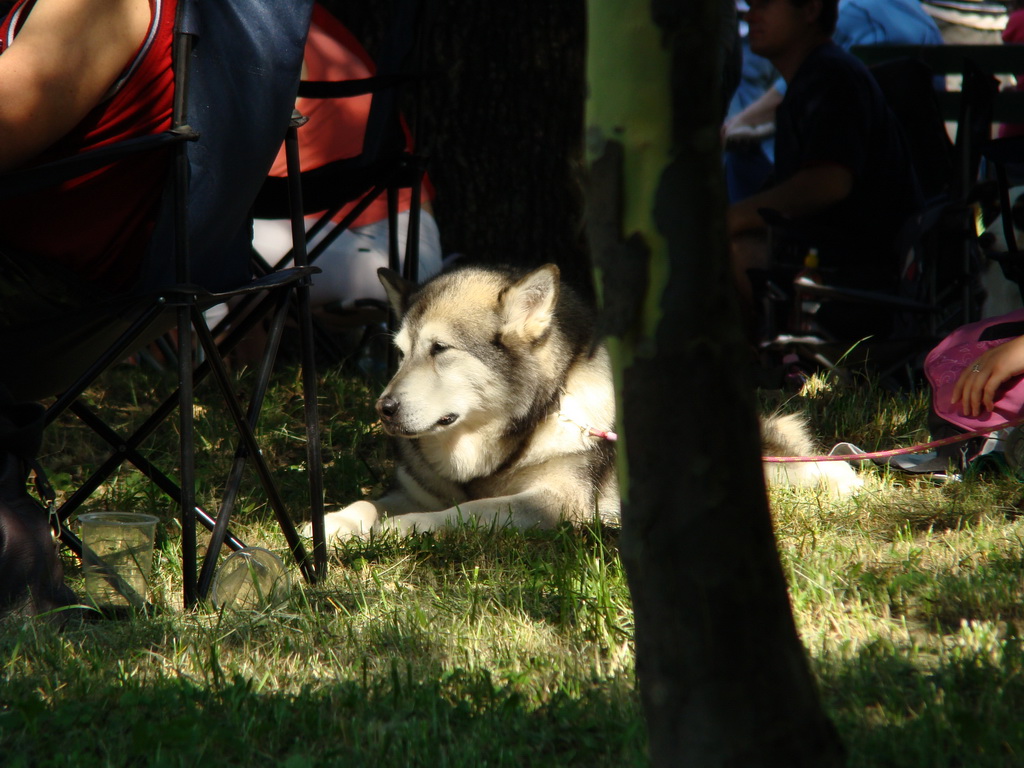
<point x="897" y="451"/>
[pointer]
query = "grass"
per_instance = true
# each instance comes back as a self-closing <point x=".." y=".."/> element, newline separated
<point x="475" y="648"/>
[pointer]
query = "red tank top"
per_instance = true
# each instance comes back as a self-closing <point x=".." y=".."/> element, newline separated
<point x="99" y="224"/>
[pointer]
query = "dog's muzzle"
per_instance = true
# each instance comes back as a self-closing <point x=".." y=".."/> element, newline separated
<point x="389" y="409"/>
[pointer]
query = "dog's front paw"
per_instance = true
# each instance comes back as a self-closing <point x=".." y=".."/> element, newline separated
<point x="355" y="520"/>
<point x="395" y="525"/>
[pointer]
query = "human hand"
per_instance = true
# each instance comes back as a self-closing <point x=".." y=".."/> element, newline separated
<point x="976" y="388"/>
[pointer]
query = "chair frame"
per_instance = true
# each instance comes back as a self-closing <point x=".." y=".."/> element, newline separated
<point x="270" y="293"/>
<point x="400" y="169"/>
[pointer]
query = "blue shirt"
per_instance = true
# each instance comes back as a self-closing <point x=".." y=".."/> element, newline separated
<point x="884" y="22"/>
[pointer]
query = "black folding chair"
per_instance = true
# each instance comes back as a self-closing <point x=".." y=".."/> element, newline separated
<point x="236" y="65"/>
<point x="385" y="166"/>
<point x="1005" y="158"/>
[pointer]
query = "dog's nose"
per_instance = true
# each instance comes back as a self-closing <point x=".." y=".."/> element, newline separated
<point x="387" y="407"/>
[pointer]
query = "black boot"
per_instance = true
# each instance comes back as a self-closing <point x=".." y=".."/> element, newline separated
<point x="30" y="566"/>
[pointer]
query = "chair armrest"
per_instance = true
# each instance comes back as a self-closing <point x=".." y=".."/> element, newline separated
<point x="817" y="290"/>
<point x="341" y="89"/>
<point x="31" y="179"/>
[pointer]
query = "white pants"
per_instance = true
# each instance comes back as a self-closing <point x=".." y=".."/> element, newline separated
<point x="350" y="263"/>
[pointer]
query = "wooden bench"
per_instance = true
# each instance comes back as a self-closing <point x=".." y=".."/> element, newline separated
<point x="998" y="60"/>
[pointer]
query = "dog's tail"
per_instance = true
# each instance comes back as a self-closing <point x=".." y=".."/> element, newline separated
<point x="788" y="435"/>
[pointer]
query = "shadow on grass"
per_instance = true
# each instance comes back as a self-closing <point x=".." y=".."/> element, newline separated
<point x="464" y="719"/>
<point x="896" y="709"/>
<point x="567" y="577"/>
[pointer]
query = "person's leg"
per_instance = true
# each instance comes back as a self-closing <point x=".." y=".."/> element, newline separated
<point x="30" y="567"/>
<point x="351" y="262"/>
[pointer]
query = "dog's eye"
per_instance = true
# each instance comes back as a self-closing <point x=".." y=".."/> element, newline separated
<point x="437" y="348"/>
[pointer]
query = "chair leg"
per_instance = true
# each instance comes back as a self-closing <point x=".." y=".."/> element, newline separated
<point x="395" y="266"/>
<point x="259" y="464"/>
<point x="314" y="458"/>
<point x="234" y="482"/>
<point x="394" y="258"/>
<point x="314" y="455"/>
<point x="187" y="437"/>
<point x="412" y="238"/>
<point x="127" y="447"/>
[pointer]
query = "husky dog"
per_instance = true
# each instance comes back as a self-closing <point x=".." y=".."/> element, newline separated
<point x="502" y="408"/>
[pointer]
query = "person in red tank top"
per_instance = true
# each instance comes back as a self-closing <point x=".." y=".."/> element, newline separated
<point x="129" y="93"/>
<point x="74" y="75"/>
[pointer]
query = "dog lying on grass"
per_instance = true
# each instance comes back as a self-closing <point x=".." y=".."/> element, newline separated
<point x="503" y="410"/>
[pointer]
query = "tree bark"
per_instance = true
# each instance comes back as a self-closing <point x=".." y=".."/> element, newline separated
<point x="724" y="679"/>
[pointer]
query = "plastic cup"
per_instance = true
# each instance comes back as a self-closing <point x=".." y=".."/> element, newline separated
<point x="117" y="557"/>
<point x="251" y="579"/>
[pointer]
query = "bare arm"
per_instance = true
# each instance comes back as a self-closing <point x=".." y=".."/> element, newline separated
<point x="806" y="192"/>
<point x="757" y="112"/>
<point x="60" y="66"/>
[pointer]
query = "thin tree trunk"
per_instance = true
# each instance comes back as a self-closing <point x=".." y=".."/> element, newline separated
<point x="723" y="677"/>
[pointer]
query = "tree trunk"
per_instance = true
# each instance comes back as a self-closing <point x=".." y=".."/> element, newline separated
<point x="723" y="677"/>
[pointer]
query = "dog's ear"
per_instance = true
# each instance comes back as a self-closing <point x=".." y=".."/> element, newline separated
<point x="528" y="306"/>
<point x="397" y="288"/>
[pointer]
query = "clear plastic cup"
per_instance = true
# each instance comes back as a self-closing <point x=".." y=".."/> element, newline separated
<point x="117" y="557"/>
<point x="251" y="579"/>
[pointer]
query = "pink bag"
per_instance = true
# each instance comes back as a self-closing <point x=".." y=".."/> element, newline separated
<point x="959" y="350"/>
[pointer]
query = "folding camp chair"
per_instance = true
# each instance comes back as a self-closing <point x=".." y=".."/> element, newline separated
<point x="385" y="166"/>
<point x="236" y="65"/>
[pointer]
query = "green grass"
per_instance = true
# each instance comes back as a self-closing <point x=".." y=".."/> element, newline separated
<point x="474" y="648"/>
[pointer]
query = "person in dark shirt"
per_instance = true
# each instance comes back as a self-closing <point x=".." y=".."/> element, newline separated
<point x="843" y="173"/>
<point x="835" y="115"/>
